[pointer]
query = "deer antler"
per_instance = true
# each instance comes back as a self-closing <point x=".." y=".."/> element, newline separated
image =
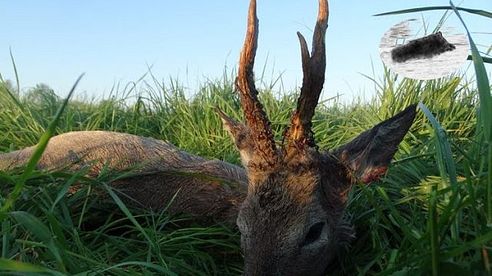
<point x="256" y="119"/>
<point x="299" y="133"/>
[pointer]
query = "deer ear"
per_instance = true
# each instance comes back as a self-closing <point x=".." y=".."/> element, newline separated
<point x="370" y="153"/>
<point x="241" y="136"/>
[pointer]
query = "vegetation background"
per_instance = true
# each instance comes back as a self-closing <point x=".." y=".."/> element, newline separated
<point x="431" y="213"/>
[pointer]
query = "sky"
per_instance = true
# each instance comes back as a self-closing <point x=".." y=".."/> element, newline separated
<point x="115" y="42"/>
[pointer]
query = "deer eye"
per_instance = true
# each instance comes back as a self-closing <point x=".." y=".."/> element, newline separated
<point x="314" y="233"/>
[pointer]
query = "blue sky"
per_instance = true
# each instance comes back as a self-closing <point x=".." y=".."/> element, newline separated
<point x="114" y="41"/>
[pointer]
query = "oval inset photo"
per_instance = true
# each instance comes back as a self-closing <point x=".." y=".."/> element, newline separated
<point x="422" y="57"/>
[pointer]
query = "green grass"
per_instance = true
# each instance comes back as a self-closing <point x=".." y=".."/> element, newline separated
<point x="428" y="215"/>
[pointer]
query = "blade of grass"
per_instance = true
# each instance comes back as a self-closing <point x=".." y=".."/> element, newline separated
<point x="11" y="95"/>
<point x="157" y="268"/>
<point x="41" y="232"/>
<point x="485" y="111"/>
<point x="433" y="230"/>
<point x="447" y="168"/>
<point x="6" y="229"/>
<point x="421" y="9"/>
<point x="484" y="59"/>
<point x="126" y="211"/>
<point x="478" y="242"/>
<point x="16" y="266"/>
<point x="17" y="82"/>
<point x="443" y="148"/>
<point x="64" y="189"/>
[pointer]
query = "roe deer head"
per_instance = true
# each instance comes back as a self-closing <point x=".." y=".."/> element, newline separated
<point x="291" y="219"/>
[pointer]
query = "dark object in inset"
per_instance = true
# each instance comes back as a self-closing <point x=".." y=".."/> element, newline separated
<point x="424" y="47"/>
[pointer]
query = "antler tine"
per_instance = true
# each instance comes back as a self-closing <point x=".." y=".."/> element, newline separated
<point x="313" y="67"/>
<point x="255" y="116"/>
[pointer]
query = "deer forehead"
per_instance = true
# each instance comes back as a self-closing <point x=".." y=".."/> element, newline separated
<point x="303" y="187"/>
<point x="285" y="189"/>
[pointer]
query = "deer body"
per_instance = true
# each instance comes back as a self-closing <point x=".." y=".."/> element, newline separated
<point x="290" y="212"/>
<point x="158" y="171"/>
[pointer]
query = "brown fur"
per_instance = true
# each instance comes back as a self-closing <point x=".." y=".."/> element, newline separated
<point x="188" y="194"/>
<point x="203" y="187"/>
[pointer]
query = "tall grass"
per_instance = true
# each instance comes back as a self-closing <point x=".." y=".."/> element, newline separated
<point x="447" y="221"/>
